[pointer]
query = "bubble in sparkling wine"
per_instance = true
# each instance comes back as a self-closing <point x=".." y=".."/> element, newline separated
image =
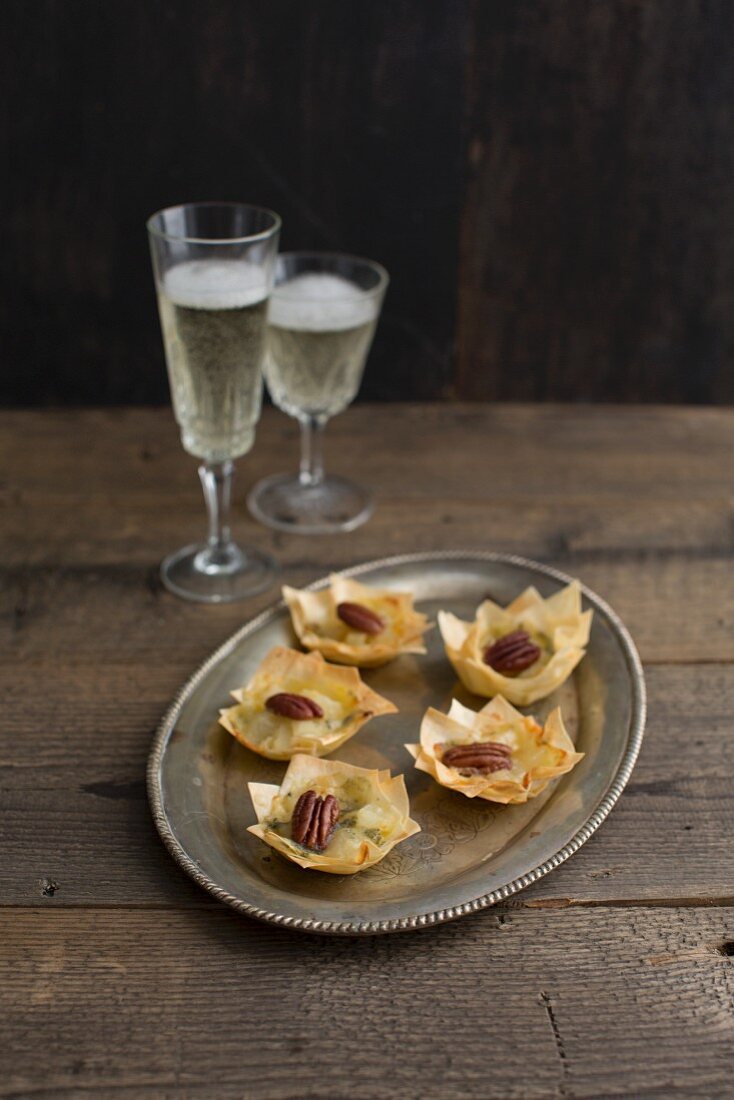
<point x="321" y="302"/>
<point x="215" y="284"/>
<point x="320" y="330"/>
<point x="213" y="314"/>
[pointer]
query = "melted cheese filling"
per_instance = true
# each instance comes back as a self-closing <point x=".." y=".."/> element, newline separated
<point x="277" y="734"/>
<point x="394" y="631"/>
<point x="366" y="816"/>
<point x="523" y="740"/>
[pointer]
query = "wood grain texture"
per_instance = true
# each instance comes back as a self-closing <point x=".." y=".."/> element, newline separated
<point x="596" y="240"/>
<point x="571" y="1004"/>
<point x="96" y="649"/>
<point x="75" y="812"/>
<point x="646" y="517"/>
<point x="118" y="976"/>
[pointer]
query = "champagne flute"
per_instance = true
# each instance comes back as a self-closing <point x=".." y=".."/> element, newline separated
<point x="322" y="317"/>
<point x="213" y="265"/>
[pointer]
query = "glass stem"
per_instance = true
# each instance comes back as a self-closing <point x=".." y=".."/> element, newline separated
<point x="312" y="460"/>
<point x="216" y="481"/>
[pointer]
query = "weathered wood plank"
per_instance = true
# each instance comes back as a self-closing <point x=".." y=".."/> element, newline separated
<point x="467" y="452"/>
<point x="101" y="530"/>
<point x="508" y="1004"/>
<point x="645" y="515"/>
<point x="679" y="607"/>
<point x="599" y="178"/>
<point x="75" y="813"/>
<point x="606" y="978"/>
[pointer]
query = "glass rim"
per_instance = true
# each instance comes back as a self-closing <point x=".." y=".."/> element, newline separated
<point x="248" y="238"/>
<point x="382" y="273"/>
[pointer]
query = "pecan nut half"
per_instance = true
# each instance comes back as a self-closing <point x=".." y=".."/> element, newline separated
<point x="512" y="653"/>
<point x="360" y="618"/>
<point x="483" y="756"/>
<point x="298" y="707"/>
<point x="314" y="820"/>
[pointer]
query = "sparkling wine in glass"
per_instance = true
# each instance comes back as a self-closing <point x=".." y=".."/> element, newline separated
<point x="213" y="265"/>
<point x="322" y="316"/>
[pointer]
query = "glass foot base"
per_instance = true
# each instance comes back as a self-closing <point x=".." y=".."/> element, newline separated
<point x="335" y="504"/>
<point x="217" y="576"/>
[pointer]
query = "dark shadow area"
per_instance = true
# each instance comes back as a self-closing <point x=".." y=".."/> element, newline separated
<point x="550" y="185"/>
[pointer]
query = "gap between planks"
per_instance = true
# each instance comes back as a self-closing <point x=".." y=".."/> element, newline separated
<point x="724" y="901"/>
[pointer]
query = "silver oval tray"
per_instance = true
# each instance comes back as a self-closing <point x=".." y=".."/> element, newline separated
<point x="469" y="853"/>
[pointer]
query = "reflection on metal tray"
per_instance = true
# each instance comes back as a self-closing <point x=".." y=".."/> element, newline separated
<point x="469" y="853"/>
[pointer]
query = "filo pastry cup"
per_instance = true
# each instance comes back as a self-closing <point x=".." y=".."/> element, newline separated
<point x="346" y="702"/>
<point x="318" y="626"/>
<point x="557" y="626"/>
<point x="538" y="753"/>
<point x="373" y="814"/>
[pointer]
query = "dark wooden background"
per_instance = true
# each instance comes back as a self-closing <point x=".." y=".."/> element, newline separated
<point x="549" y="182"/>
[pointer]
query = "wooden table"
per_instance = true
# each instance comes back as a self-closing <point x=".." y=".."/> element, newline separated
<point x="611" y="977"/>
